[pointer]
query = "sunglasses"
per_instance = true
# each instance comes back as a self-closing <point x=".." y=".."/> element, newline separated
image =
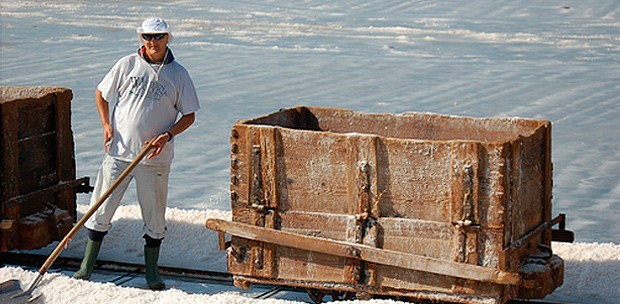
<point x="148" y="37"/>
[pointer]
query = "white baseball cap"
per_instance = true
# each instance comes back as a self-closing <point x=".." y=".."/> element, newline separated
<point x="154" y="25"/>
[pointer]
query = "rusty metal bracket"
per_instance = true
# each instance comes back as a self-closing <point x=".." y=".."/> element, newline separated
<point x="238" y="252"/>
<point x="365" y="221"/>
<point x="561" y="234"/>
<point x="221" y="240"/>
<point x="258" y="199"/>
<point x="83" y="186"/>
<point x="536" y="231"/>
<point x="257" y="196"/>
<point x="468" y="196"/>
<point x="80" y="185"/>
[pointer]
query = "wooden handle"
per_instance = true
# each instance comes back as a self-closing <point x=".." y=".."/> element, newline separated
<point x="365" y="253"/>
<point x="61" y="246"/>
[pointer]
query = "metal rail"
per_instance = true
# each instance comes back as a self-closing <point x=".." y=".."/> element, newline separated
<point x="126" y="270"/>
<point x="33" y="260"/>
<point x="80" y="185"/>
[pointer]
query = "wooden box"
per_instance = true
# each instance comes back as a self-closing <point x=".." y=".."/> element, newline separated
<point x="37" y="176"/>
<point x="415" y="205"/>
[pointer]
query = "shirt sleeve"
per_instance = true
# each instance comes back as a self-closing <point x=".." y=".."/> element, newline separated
<point x="109" y="85"/>
<point x="188" y="99"/>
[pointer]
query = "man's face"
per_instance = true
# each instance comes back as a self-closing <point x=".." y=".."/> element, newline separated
<point x="155" y="43"/>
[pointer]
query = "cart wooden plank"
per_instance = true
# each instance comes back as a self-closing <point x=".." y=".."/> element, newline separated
<point x="365" y="253"/>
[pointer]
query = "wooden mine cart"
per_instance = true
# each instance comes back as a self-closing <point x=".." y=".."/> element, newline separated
<point x="37" y="169"/>
<point x="418" y="206"/>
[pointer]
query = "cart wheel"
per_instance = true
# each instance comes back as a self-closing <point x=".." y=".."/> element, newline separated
<point x="363" y="296"/>
<point x="347" y="295"/>
<point x="317" y="295"/>
<point x="241" y="283"/>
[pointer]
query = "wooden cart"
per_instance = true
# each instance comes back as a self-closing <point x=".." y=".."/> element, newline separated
<point x="420" y="206"/>
<point x="37" y="169"/>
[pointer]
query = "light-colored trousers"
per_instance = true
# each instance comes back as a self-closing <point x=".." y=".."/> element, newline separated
<point x="152" y="189"/>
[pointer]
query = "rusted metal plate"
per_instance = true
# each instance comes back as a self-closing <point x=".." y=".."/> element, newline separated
<point x="456" y="189"/>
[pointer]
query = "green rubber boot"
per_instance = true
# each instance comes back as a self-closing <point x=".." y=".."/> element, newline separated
<point x="151" y="256"/>
<point x="88" y="263"/>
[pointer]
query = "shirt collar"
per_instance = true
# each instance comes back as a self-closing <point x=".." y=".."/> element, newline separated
<point x="168" y="58"/>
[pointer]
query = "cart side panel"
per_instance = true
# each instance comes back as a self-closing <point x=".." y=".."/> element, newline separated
<point x="276" y="171"/>
<point x="529" y="199"/>
<point x="314" y="169"/>
<point x="414" y="179"/>
<point x="458" y="189"/>
<point x="295" y="264"/>
<point x="493" y="182"/>
<point x="457" y="179"/>
<point x="330" y="226"/>
<point x="65" y="156"/>
<point x="37" y="177"/>
<point x="254" y="196"/>
<point x="426" y="238"/>
<point x="533" y="165"/>
<point x="395" y="278"/>
<point x="421" y="126"/>
<point x="305" y="187"/>
<point x="9" y="185"/>
<point x="36" y="135"/>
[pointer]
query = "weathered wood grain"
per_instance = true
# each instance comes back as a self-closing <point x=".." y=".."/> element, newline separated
<point x="457" y="190"/>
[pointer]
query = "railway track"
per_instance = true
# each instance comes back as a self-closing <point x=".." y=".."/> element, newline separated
<point x="35" y="260"/>
<point x="132" y="275"/>
<point x="191" y="280"/>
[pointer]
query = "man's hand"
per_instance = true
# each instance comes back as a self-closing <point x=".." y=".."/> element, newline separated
<point x="107" y="137"/>
<point x="159" y="143"/>
<point x="104" y="115"/>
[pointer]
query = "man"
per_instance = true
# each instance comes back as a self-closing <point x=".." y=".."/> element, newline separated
<point x="148" y="90"/>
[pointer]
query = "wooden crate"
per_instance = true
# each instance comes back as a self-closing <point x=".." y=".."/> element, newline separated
<point x="418" y="205"/>
<point x="37" y="177"/>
